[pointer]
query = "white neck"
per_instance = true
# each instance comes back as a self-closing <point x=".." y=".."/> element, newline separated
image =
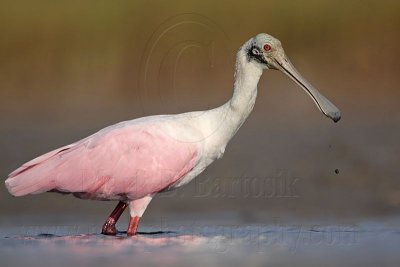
<point x="232" y="114"/>
<point x="247" y="75"/>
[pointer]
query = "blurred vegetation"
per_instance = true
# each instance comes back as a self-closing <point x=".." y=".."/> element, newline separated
<point x="66" y="47"/>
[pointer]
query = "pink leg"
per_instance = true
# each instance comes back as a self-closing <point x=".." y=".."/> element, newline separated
<point x="133" y="226"/>
<point x="109" y="226"/>
<point x="137" y="208"/>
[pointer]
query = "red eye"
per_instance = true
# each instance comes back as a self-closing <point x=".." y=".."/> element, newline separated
<point x="267" y="47"/>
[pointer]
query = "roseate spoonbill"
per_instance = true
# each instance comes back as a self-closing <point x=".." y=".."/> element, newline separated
<point x="133" y="160"/>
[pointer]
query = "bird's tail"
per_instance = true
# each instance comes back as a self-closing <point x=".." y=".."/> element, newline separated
<point x="30" y="181"/>
<point x="35" y="176"/>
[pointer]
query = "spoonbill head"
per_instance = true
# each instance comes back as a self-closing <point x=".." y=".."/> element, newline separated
<point x="267" y="51"/>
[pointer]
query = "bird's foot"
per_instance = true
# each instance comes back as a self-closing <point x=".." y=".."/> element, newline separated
<point x="109" y="227"/>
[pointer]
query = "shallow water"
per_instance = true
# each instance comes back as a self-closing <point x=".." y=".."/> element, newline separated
<point x="367" y="243"/>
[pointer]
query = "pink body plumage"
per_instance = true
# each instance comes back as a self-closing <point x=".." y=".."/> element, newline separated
<point x="122" y="162"/>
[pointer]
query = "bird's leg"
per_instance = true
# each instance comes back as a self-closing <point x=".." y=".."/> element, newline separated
<point x="133" y="225"/>
<point x="109" y="226"/>
<point x="137" y="208"/>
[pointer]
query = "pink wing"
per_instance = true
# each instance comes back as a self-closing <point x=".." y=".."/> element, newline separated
<point x="131" y="161"/>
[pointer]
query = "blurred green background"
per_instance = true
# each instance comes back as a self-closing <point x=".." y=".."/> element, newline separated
<point x="70" y="68"/>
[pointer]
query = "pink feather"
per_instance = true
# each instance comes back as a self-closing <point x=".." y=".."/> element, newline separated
<point x="127" y="162"/>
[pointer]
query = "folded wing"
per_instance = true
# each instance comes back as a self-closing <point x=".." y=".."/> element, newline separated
<point x="131" y="161"/>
